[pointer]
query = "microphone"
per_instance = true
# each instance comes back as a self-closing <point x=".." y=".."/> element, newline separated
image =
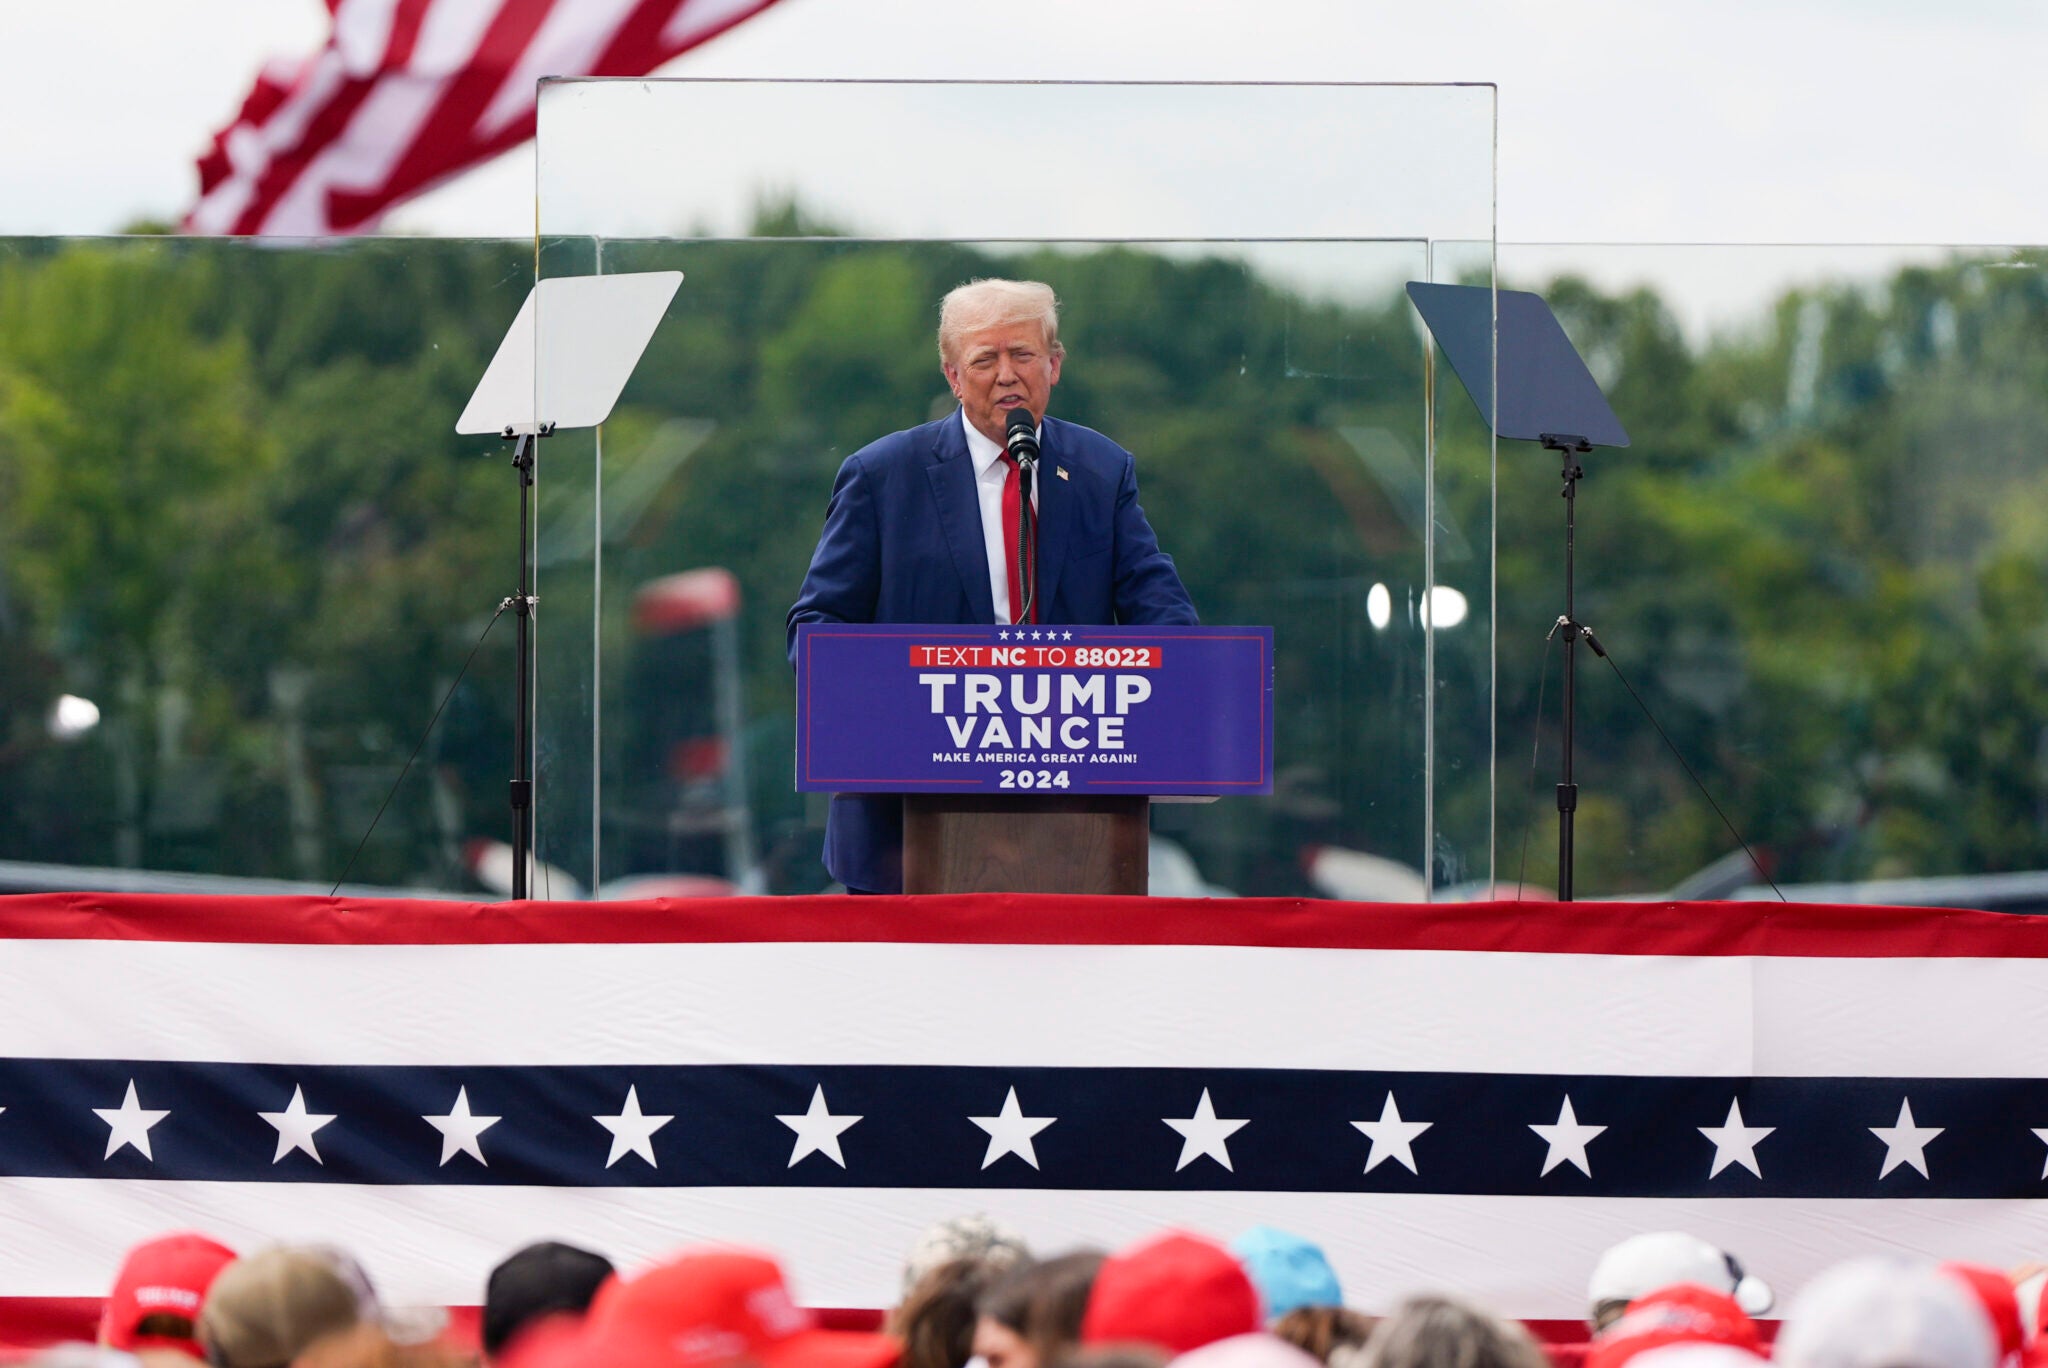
<point x="1020" y="439"/>
<point x="1021" y="436"/>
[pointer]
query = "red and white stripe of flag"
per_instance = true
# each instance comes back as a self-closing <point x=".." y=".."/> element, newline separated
<point x="407" y="93"/>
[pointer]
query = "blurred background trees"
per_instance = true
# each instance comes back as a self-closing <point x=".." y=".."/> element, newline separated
<point x="235" y="522"/>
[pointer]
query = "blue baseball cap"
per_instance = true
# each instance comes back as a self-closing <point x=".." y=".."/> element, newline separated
<point x="1288" y="1271"/>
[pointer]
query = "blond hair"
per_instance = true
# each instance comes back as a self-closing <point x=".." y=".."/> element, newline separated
<point x="991" y="303"/>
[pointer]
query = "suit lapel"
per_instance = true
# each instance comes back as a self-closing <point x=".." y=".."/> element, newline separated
<point x="1055" y="517"/>
<point x="951" y="473"/>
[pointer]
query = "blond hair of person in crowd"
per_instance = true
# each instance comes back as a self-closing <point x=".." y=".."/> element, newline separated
<point x="308" y="1306"/>
<point x="1443" y="1332"/>
<point x="1032" y="1315"/>
<point x="974" y="1237"/>
<point x="1329" y="1334"/>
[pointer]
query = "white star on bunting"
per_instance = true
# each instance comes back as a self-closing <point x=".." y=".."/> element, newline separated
<point x="1010" y="1132"/>
<point x="818" y="1131"/>
<point x="1905" y="1143"/>
<point x="128" y="1124"/>
<point x="295" y="1127"/>
<point x="1735" y="1143"/>
<point x="632" y="1130"/>
<point x="1205" y="1133"/>
<point x="1567" y="1140"/>
<point x="1392" y="1138"/>
<point x="460" y="1130"/>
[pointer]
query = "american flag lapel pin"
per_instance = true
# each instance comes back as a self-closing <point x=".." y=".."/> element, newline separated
<point x="1061" y="471"/>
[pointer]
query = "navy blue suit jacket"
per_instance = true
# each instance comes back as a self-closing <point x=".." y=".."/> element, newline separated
<point x="903" y="543"/>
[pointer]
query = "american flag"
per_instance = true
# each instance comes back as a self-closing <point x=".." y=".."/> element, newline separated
<point x="1470" y="1097"/>
<point x="406" y="93"/>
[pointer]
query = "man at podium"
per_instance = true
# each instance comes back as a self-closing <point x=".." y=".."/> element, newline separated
<point x="924" y="526"/>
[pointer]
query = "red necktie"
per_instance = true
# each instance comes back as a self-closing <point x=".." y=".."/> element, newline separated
<point x="1013" y="517"/>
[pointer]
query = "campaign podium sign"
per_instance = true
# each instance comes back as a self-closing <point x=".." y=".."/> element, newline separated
<point x="1060" y="710"/>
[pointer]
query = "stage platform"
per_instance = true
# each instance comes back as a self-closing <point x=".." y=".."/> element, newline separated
<point x="1474" y="1097"/>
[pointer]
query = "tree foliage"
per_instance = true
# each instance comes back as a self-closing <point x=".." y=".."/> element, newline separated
<point x="233" y="512"/>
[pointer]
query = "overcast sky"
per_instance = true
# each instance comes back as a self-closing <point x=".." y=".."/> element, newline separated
<point x="1620" y="120"/>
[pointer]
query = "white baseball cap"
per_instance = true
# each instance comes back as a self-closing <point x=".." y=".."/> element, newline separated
<point x="1643" y="1263"/>
<point x="1877" y="1312"/>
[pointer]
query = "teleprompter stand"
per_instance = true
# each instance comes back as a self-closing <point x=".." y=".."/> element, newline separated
<point x="1545" y="394"/>
<point x="561" y="365"/>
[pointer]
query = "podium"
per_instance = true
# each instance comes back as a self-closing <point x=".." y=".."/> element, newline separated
<point x="1027" y="757"/>
<point x="986" y="843"/>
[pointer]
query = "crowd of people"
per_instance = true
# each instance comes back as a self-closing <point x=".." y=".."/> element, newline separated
<point x="974" y="1294"/>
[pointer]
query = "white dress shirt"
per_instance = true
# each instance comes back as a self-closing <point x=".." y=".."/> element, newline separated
<point x="989" y="473"/>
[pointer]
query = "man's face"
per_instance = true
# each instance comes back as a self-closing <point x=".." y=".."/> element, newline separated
<point x="999" y="368"/>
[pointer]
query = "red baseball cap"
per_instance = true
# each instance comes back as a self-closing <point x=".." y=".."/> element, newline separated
<point x="1176" y="1291"/>
<point x="1680" y="1314"/>
<point x="1994" y="1293"/>
<point x="167" y="1276"/>
<point x="702" y="1310"/>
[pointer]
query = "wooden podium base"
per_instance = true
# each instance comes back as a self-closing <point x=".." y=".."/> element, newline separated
<point x="989" y="843"/>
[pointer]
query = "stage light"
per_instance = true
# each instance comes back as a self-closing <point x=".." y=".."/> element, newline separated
<point x="1444" y="607"/>
<point x="72" y="717"/>
<point x="1379" y="607"/>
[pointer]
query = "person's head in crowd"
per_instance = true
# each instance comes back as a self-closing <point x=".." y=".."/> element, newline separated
<point x="153" y="1308"/>
<point x="936" y="1320"/>
<point x="1289" y="1271"/>
<point x="702" y="1309"/>
<point x="1643" y="1263"/>
<point x="1333" y="1335"/>
<point x="1176" y="1291"/>
<point x="269" y="1308"/>
<point x="1885" y="1313"/>
<point x="1695" y="1355"/>
<point x="1256" y="1350"/>
<point x="1112" y="1356"/>
<point x="2030" y="1298"/>
<point x="1440" y="1332"/>
<point x="973" y="1238"/>
<point x="72" y="1354"/>
<point x="1998" y="1301"/>
<point x="1684" y="1314"/>
<point x="1032" y="1314"/>
<point x="543" y="1279"/>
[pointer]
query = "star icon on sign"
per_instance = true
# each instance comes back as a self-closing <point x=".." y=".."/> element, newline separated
<point x="632" y="1130"/>
<point x="128" y="1124"/>
<point x="1035" y="635"/>
<point x="1010" y="1132"/>
<point x="818" y="1131"/>
<point x="1567" y="1140"/>
<point x="1392" y="1138"/>
<point x="1205" y="1133"/>
<point x="1066" y="636"/>
<point x="1002" y="636"/>
<point x="295" y="1127"/>
<point x="1905" y="1143"/>
<point x="1735" y="1143"/>
<point x="460" y="1130"/>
